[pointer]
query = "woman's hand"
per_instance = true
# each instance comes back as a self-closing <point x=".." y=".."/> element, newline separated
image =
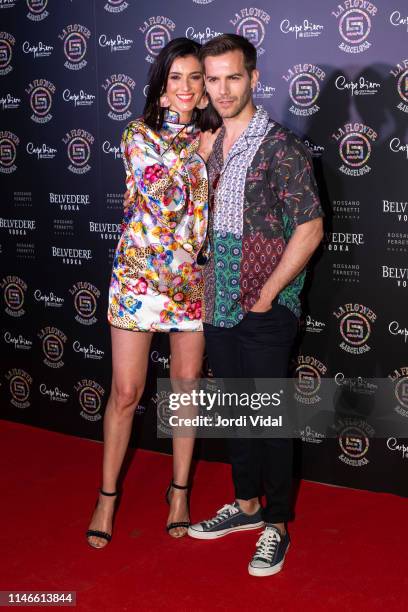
<point x="207" y="140"/>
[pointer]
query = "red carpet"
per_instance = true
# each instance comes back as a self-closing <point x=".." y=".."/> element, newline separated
<point x="348" y="547"/>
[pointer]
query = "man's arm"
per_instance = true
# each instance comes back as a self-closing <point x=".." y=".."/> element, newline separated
<point x="301" y="246"/>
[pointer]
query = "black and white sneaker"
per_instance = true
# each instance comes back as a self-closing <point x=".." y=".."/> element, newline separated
<point x="271" y="549"/>
<point x="228" y="519"/>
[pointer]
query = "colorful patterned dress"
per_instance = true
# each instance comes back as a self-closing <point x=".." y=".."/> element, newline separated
<point x="156" y="282"/>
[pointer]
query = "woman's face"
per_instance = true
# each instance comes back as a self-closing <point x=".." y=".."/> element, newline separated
<point x="185" y="87"/>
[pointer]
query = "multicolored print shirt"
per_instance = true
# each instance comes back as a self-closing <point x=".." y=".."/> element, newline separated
<point x="258" y="196"/>
<point x="156" y="282"/>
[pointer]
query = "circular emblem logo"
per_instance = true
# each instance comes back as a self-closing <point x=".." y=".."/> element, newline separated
<point x="308" y="380"/>
<point x="53" y="348"/>
<point x="354" y="442"/>
<point x="6" y="53"/>
<point x="355" y="26"/>
<point x="75" y="47"/>
<point x="355" y="329"/>
<point x="163" y="412"/>
<point x="304" y="90"/>
<point x="79" y="151"/>
<point x="401" y="391"/>
<point x="14" y="297"/>
<point x="41" y="101"/>
<point x="156" y="38"/>
<point x="253" y="30"/>
<point x="85" y="303"/>
<point x="403" y="86"/>
<point x="37" y="6"/>
<point x="19" y="389"/>
<point x="355" y="149"/>
<point x="90" y="400"/>
<point x="8" y="152"/>
<point x="119" y="97"/>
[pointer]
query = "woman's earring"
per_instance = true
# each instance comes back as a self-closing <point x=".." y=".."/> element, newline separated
<point x="164" y="101"/>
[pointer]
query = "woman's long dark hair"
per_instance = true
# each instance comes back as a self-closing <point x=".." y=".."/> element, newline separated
<point x="153" y="113"/>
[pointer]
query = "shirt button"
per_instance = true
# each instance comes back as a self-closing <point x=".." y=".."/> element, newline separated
<point x="187" y="247"/>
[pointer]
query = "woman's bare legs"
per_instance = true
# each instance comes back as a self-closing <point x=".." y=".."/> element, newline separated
<point x="130" y="353"/>
<point x="187" y="349"/>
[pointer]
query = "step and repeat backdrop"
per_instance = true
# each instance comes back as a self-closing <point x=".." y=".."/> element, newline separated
<point x="72" y="74"/>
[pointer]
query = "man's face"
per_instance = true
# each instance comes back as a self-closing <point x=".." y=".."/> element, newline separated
<point x="228" y="83"/>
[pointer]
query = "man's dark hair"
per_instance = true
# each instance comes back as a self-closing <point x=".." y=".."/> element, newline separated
<point x="230" y="42"/>
<point x="153" y="113"/>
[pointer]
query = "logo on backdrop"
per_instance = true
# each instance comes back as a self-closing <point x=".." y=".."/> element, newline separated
<point x="40" y="93"/>
<point x="20" y="387"/>
<point x="37" y="10"/>
<point x="79" y="144"/>
<point x="396" y="19"/>
<point x="312" y="325"/>
<point x="400" y="379"/>
<point x="250" y="23"/>
<point x="263" y="91"/>
<point x="90" y="395"/>
<point x="18" y="227"/>
<point x="395" y="329"/>
<point x="398" y="275"/>
<point x="342" y="241"/>
<point x="71" y="257"/>
<point x="203" y="1"/>
<point x="4" y="4"/>
<point x="49" y="300"/>
<point x="19" y="342"/>
<point x="53" y="343"/>
<point x="70" y="201"/>
<point x="75" y="39"/>
<point x="400" y="72"/>
<point x="119" y="89"/>
<point x="54" y="394"/>
<point x="356" y="384"/>
<point x="361" y="87"/>
<point x="308" y="380"/>
<point x="106" y="231"/>
<point x="394" y="445"/>
<point x="396" y="146"/>
<point x="38" y="49"/>
<point x="110" y="149"/>
<point x="120" y="43"/>
<point x="306" y="29"/>
<point x="355" y="142"/>
<point x="9" y="102"/>
<point x="355" y="325"/>
<point x="157" y="33"/>
<point x="116" y="6"/>
<point x="201" y="36"/>
<point x="354" y="24"/>
<point x="14" y="292"/>
<point x="42" y="151"/>
<point x="161" y="403"/>
<point x="81" y="98"/>
<point x="354" y="442"/>
<point x="398" y="209"/>
<point x="7" y="42"/>
<point x="304" y="88"/>
<point x="85" y="302"/>
<point x="88" y="352"/>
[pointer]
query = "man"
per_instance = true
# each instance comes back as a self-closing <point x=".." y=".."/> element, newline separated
<point x="266" y="223"/>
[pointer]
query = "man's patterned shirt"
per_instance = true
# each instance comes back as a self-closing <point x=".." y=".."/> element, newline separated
<point x="258" y="196"/>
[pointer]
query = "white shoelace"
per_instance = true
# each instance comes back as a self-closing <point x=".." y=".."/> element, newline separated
<point x="267" y="543"/>
<point x="223" y="513"/>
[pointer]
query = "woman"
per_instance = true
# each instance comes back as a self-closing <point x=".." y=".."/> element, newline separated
<point x="156" y="282"/>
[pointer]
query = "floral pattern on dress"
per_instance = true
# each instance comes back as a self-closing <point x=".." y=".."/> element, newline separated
<point x="156" y="282"/>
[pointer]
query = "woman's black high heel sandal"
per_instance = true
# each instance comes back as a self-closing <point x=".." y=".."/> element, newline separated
<point x="96" y="532"/>
<point x="185" y="524"/>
